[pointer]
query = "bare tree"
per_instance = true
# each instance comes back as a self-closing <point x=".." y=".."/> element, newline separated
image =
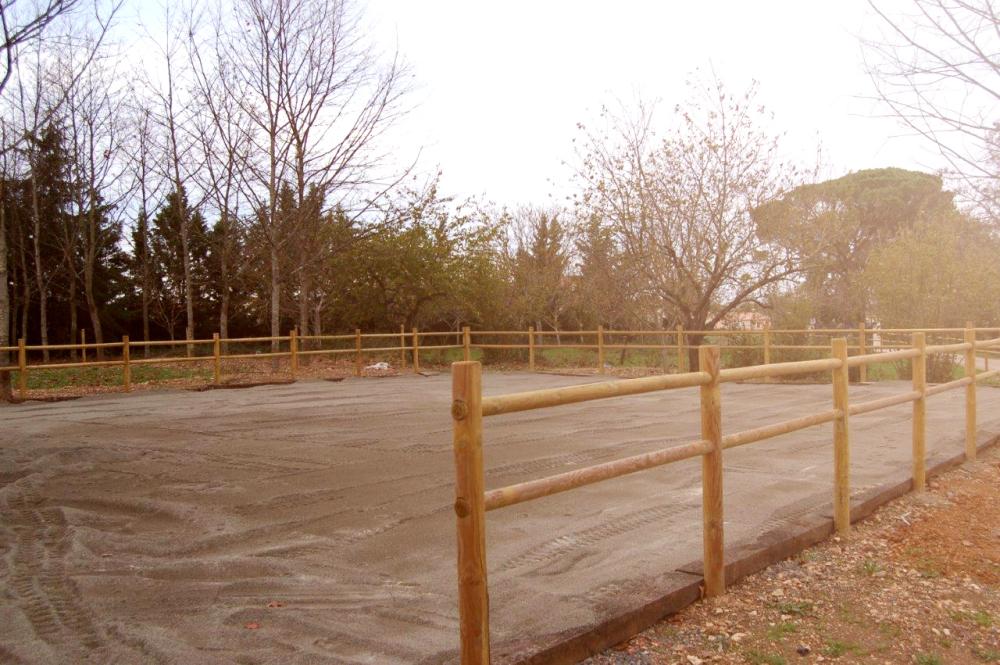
<point x="24" y="26"/>
<point x="146" y="184"/>
<point x="316" y="102"/>
<point x="936" y="67"/>
<point x="95" y="131"/>
<point x="5" y="318"/>
<point x="680" y="207"/>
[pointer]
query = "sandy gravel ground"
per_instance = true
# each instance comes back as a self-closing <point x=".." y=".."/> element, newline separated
<point x="312" y="522"/>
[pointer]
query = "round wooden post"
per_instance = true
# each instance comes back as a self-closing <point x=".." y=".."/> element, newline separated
<point x="600" y="349"/>
<point x="841" y="442"/>
<point x="862" y="350"/>
<point x="531" y="348"/>
<point x="293" y="348"/>
<point x="216" y="359"/>
<point x="466" y="344"/>
<point x="416" y="351"/>
<point x="711" y="474"/>
<point x="83" y="343"/>
<point x="22" y="369"/>
<point x="126" y="366"/>
<point x="358" y="359"/>
<point x="470" y="512"/>
<point x="970" y="393"/>
<point x="920" y="413"/>
<point x="681" y="357"/>
<point x="402" y="346"/>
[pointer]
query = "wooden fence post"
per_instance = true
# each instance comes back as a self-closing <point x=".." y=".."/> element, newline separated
<point x="470" y="510"/>
<point x="416" y="351"/>
<point x="358" y="360"/>
<point x="841" y="442"/>
<point x="402" y="346"/>
<point x="216" y="359"/>
<point x="920" y="413"/>
<point x="531" y="348"/>
<point x="126" y="366"/>
<point x="767" y="349"/>
<point x="711" y="474"/>
<point x="681" y="357"/>
<point x="22" y="370"/>
<point x="83" y="342"/>
<point x="862" y="350"/>
<point x="600" y="349"/>
<point x="970" y="393"/>
<point x="466" y="344"/>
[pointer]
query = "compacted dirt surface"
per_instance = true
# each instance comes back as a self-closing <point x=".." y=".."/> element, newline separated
<point x="918" y="582"/>
<point x="312" y="522"/>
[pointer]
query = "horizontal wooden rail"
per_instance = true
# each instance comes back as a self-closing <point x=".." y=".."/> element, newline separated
<point x="987" y="375"/>
<point x="885" y="356"/>
<point x="950" y="385"/>
<point x="174" y="342"/>
<point x="778" y="369"/>
<point x="243" y="356"/>
<point x="178" y="359"/>
<point x="541" y="399"/>
<point x="94" y="363"/>
<point x="949" y="348"/>
<point x="248" y="340"/>
<point x="534" y="489"/>
<point x="68" y="347"/>
<point x="336" y="337"/>
<point x="883" y="403"/>
<point x="778" y="429"/>
<point x="644" y="346"/>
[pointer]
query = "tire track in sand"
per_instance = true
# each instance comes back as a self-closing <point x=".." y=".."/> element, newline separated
<point x="49" y="600"/>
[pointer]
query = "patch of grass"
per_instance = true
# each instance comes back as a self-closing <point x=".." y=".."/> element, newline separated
<point x="779" y="631"/>
<point x="870" y="567"/>
<point x="837" y="648"/>
<point x="761" y="658"/>
<point x="987" y="655"/>
<point x="928" y="659"/>
<point x="795" y="608"/>
<point x="928" y="567"/>
<point x="889" y="629"/>
<point x="982" y="618"/>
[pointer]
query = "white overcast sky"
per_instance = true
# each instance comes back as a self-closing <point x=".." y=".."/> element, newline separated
<point x="500" y="86"/>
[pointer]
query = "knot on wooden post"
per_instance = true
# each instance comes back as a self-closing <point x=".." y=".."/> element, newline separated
<point x="459" y="409"/>
<point x="461" y="508"/>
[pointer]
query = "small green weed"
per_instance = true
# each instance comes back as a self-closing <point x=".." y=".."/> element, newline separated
<point x="928" y="659"/>
<point x="761" y="658"/>
<point x="795" y="608"/>
<point x="780" y="631"/>
<point x="837" y="648"/>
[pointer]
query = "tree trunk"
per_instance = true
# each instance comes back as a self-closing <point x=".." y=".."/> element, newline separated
<point x="145" y="286"/>
<point x="43" y="296"/>
<point x="694" y="341"/>
<point x="188" y="286"/>
<point x="88" y="280"/>
<point x="5" y="319"/>
<point x="73" y="323"/>
<point x="305" y="285"/>
<point x="275" y="298"/>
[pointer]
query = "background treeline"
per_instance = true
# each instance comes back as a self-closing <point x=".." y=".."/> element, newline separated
<point x="243" y="182"/>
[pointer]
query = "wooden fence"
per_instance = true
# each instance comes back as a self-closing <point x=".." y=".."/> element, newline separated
<point x="673" y="345"/>
<point x="473" y="500"/>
